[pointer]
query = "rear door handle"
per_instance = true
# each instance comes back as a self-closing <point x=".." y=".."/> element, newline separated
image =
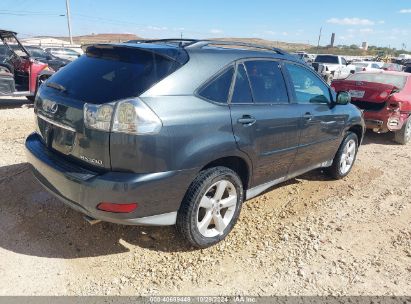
<point x="308" y="116"/>
<point x="247" y="120"/>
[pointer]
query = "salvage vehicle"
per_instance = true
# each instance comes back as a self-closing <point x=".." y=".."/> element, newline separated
<point x="333" y="67"/>
<point x="20" y="73"/>
<point x="385" y="98"/>
<point x="55" y="63"/>
<point x="362" y="66"/>
<point x="64" y="53"/>
<point x="392" y="67"/>
<point x="182" y="132"/>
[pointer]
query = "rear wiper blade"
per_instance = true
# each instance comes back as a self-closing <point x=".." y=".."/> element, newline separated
<point x="56" y="86"/>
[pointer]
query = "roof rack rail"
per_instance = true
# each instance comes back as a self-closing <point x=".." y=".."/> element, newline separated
<point x="181" y="42"/>
<point x="199" y="43"/>
<point x="203" y="43"/>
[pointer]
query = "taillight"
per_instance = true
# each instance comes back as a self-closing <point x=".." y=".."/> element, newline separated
<point x="130" y="116"/>
<point x="135" y="117"/>
<point x="383" y="95"/>
<point x="98" y="116"/>
<point x="117" y="208"/>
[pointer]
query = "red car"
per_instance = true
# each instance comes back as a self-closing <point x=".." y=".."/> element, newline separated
<point x="20" y="74"/>
<point x="385" y="98"/>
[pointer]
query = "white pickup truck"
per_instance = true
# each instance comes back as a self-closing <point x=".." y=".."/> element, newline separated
<point x="334" y="67"/>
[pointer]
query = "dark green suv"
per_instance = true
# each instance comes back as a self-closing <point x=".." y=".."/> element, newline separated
<point x="182" y="132"/>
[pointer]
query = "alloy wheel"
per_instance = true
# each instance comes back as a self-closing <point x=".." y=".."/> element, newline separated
<point x="348" y="156"/>
<point x="216" y="208"/>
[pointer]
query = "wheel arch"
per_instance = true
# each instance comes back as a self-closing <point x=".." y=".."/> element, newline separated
<point x="357" y="130"/>
<point x="238" y="164"/>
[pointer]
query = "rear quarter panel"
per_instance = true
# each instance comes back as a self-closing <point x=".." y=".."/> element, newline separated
<point x="194" y="133"/>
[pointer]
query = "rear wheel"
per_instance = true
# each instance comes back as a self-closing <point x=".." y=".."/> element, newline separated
<point x="345" y="157"/>
<point x="403" y="136"/>
<point x="210" y="207"/>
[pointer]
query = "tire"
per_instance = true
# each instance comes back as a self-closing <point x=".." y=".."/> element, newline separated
<point x="201" y="208"/>
<point x="403" y="136"/>
<point x="345" y="158"/>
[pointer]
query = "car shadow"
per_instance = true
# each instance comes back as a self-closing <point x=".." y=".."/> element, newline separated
<point x="379" y="139"/>
<point x="33" y="222"/>
<point x="13" y="103"/>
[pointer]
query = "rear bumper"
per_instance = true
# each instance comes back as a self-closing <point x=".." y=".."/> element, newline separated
<point x="384" y="121"/>
<point x="158" y="195"/>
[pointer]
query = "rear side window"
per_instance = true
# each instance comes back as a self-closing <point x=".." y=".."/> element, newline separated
<point x="217" y="90"/>
<point x="267" y="82"/>
<point x="113" y="73"/>
<point x="242" y="92"/>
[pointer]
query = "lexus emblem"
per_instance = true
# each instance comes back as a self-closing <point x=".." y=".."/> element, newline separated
<point x="50" y="106"/>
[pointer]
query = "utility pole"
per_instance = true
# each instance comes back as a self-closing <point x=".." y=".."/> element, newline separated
<point x="319" y="38"/>
<point x="68" y="20"/>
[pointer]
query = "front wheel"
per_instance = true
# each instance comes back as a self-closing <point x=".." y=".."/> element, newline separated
<point x="210" y="207"/>
<point x="345" y="157"/>
<point x="403" y="136"/>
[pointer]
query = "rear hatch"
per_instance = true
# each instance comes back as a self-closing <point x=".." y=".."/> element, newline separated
<point x="104" y="75"/>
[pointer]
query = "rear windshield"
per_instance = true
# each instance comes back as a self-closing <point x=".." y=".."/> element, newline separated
<point x="395" y="80"/>
<point x="112" y="73"/>
<point x="326" y="59"/>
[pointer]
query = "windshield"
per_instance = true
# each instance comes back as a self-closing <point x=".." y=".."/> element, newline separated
<point x="394" y="80"/>
<point x="327" y="59"/>
<point x="113" y="73"/>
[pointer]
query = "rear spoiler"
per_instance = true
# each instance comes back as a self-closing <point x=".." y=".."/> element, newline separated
<point x="176" y="54"/>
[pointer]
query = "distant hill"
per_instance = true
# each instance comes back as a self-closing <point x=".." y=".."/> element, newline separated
<point x="289" y="46"/>
<point x="105" y="38"/>
<point x="101" y="38"/>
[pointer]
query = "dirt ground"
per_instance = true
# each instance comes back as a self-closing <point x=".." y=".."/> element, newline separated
<point x="309" y="236"/>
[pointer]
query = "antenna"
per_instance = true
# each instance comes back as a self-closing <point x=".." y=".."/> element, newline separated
<point x="68" y="20"/>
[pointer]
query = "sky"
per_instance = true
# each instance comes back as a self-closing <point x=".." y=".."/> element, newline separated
<point x="379" y="22"/>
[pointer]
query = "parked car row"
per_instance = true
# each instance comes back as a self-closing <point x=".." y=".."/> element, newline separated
<point x="23" y="68"/>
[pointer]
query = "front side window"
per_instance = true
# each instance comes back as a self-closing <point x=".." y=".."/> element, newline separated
<point x="267" y="82"/>
<point x="308" y="88"/>
<point x="343" y="61"/>
<point x="217" y="90"/>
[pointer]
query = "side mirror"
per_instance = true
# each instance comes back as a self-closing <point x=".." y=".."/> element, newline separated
<point x="343" y="98"/>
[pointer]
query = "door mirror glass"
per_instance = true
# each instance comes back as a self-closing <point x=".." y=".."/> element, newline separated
<point x="343" y="98"/>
